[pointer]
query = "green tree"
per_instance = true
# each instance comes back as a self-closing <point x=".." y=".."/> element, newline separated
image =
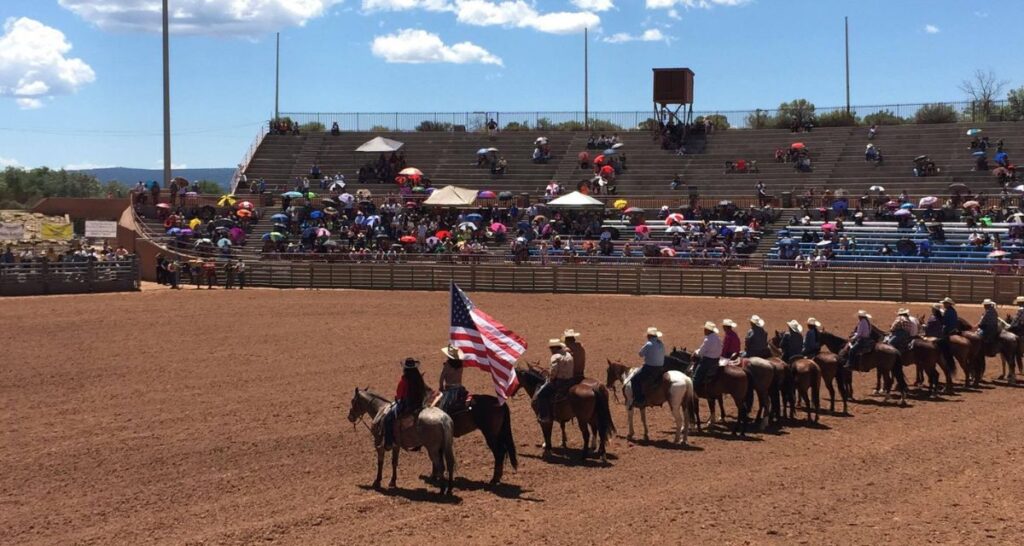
<point x="936" y="113"/>
<point x="312" y="127"/>
<point x="209" y="187"/>
<point x="800" y="110"/>
<point x="517" y="126"/>
<point x="380" y="129"/>
<point x="718" y="120"/>
<point x="25" y="187"/>
<point x="883" y="117"/>
<point x="837" y="118"/>
<point x="1014" y="109"/>
<point x="434" y="126"/>
<point x="758" y="119"/>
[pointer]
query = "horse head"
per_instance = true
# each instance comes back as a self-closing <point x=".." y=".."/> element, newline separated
<point x="356" y="409"/>
<point x="776" y="339"/>
<point x="614" y="373"/>
<point x="531" y="377"/>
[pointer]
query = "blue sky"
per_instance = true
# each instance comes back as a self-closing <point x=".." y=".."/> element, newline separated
<point x="80" y="79"/>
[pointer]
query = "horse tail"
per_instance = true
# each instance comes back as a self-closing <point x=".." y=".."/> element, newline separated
<point x="604" y="415"/>
<point x="748" y="398"/>
<point x="816" y="385"/>
<point x="505" y="440"/>
<point x="448" y="447"/>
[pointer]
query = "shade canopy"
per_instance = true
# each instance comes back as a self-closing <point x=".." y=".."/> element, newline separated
<point x="451" y="196"/>
<point x="380" y="144"/>
<point x="575" y="199"/>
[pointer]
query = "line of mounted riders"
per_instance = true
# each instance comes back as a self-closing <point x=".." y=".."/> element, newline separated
<point x="778" y="370"/>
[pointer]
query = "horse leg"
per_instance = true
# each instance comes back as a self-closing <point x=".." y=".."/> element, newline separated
<point x="677" y="416"/>
<point x="545" y="428"/>
<point x="695" y="408"/>
<point x="979" y="369"/>
<point x="565" y="444"/>
<point x="394" y="467"/>
<point x="711" y="408"/>
<point x="629" y="419"/>
<point x="380" y="467"/>
<point x="721" y="408"/>
<point x="585" y="432"/>
<point x="806" y="399"/>
<point x="831" y="395"/>
<point x="643" y="419"/>
<point x="878" y="382"/>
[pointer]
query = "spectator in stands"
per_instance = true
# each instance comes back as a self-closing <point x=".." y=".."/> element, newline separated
<point x="492" y="126"/>
<point x="553" y="189"/>
<point x="500" y="167"/>
<point x="870" y="153"/>
<point x="762" y="193"/>
<point x="980" y="163"/>
<point x="872" y="132"/>
<point x="482" y="158"/>
<point x="591" y="142"/>
<point x="335" y="129"/>
<point x="885" y="251"/>
<point x="1002" y="159"/>
<point x="584" y="160"/>
<point x="677" y="182"/>
<point x="314" y="171"/>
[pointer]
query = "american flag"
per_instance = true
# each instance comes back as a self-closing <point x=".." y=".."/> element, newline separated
<point x="487" y="343"/>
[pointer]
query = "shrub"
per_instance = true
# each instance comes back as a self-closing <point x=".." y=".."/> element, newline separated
<point x="1014" y="110"/>
<point x="884" y="117"/>
<point x="603" y="126"/>
<point x="380" y="129"/>
<point x="434" y="126"/>
<point x="516" y="126"/>
<point x="758" y="119"/>
<point x="936" y="113"/>
<point x="837" y="118"/>
<point x="312" y="127"/>
<point x="649" y="124"/>
<point x="719" y="121"/>
<point x="799" y="109"/>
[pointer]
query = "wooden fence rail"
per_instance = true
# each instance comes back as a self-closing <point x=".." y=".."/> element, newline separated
<point x="38" y="278"/>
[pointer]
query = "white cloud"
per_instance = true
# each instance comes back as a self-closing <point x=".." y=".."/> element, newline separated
<point x="649" y="35"/>
<point x="8" y="162"/>
<point x="931" y="29"/>
<point x="674" y="14"/>
<point x="86" y="166"/>
<point x="33" y="65"/>
<point x="218" y="17"/>
<point x="419" y="46"/>
<point x="594" y="5"/>
<point x="704" y="4"/>
<point x="403" y="5"/>
<point x="519" y="14"/>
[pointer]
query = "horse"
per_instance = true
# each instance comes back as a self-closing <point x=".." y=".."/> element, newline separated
<point x="884" y="358"/>
<point x="803" y="379"/>
<point x="1017" y="361"/>
<point x="494" y="420"/>
<point x="586" y="401"/>
<point x="1006" y="346"/>
<point x="433" y="430"/>
<point x="675" y="387"/>
<point x="731" y="380"/>
<point x="765" y="379"/>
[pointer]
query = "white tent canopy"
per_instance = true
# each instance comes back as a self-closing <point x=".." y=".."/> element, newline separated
<point x="380" y="144"/>
<point x="451" y="196"/>
<point x="575" y="199"/>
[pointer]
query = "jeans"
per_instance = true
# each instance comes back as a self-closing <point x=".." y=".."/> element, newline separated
<point x="706" y="371"/>
<point x="641" y="379"/>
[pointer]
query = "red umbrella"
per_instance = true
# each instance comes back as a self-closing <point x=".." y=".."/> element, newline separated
<point x="408" y="240"/>
<point x="972" y="205"/>
<point x="828" y="227"/>
<point x="798" y="146"/>
<point x="247" y="205"/>
<point x="634" y="210"/>
<point x="674" y="218"/>
<point x="668" y="252"/>
<point x="411" y="171"/>
<point x="487" y="194"/>
<point x="244" y="213"/>
<point x="643" y="229"/>
<point x="411" y="204"/>
<point x="443" y="234"/>
<point x="599" y="159"/>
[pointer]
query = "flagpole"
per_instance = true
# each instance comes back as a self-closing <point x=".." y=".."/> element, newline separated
<point x="167" y="98"/>
<point x="586" y="79"/>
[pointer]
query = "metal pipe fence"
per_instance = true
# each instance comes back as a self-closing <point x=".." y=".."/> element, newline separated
<point x="41" y="278"/>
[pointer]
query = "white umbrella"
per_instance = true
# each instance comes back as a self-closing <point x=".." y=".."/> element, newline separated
<point x="492" y="149"/>
<point x="336" y="185"/>
<point x="380" y="145"/>
<point x="902" y="212"/>
<point x="675" y="229"/>
<point x="541" y="140"/>
<point x="483" y="151"/>
<point x="346" y="198"/>
<point x="617" y="145"/>
<point x="928" y="201"/>
<point x="824" y="243"/>
<point x="467" y="226"/>
<point x="1019" y="188"/>
<point x="876" y="188"/>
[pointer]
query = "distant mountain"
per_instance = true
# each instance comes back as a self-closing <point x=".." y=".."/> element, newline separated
<point x="129" y="177"/>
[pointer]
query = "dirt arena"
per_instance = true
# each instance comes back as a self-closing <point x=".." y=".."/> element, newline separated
<point x="219" y="417"/>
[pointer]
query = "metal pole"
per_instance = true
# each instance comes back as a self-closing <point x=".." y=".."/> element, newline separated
<point x="167" y="99"/>
<point x="586" y="79"/>
<point x="277" y="78"/>
<point x="846" y="25"/>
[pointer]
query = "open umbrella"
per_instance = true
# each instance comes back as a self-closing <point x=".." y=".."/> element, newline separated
<point x="979" y="153"/>
<point x="797" y="146"/>
<point x="337" y="185"/>
<point x="609" y="151"/>
<point x="475" y="218"/>
<point x="620" y="204"/>
<point x="828" y="227"/>
<point x="876" y="188"/>
<point x="410" y="171"/>
<point x="407" y="239"/>
<point x="194" y="223"/>
<point x="279" y="217"/>
<point x="280" y="227"/>
<point x="824" y="243"/>
<point x="482" y="151"/>
<point x="599" y="159"/>
<point x="247" y="205"/>
<point x="505" y="196"/>
<point x="617" y="145"/>
<point x="331" y="211"/>
<point x="674" y="218"/>
<point x="346" y="199"/>
<point x="322" y="232"/>
<point x="371" y="220"/>
<point x="227" y="200"/>
<point x="203" y="241"/>
<point x="486" y="194"/>
<point x="921" y="158"/>
<point x="186" y="232"/>
<point x="541" y="140"/>
<point x="634" y="210"/>
<point x="972" y="132"/>
<point x="291" y="194"/>
<point x="163" y="206"/>
<point x="668" y="252"/>
<point x="787" y="241"/>
<point x="540" y="218"/>
<point x="274" y="236"/>
<point x="443" y="234"/>
<point x="907" y="206"/>
<point x="498" y="227"/>
<point x="675" y="229"/>
<point x="725" y="203"/>
<point x="928" y="201"/>
<point x="467" y="226"/>
<point x="174" y="231"/>
<point x="432" y="241"/>
<point x="892" y="204"/>
<point x="642" y="229"/>
<point x="191" y="194"/>
<point x="224" y="243"/>
<point x="316" y="215"/>
<point x="903" y="213"/>
<point x="998" y="254"/>
<point x="1019" y="188"/>
<point x="243" y="213"/>
<point x="972" y="205"/>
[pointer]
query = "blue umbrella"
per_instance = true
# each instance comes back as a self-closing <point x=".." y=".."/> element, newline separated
<point x="280" y="217"/>
<point x="224" y="243"/>
<point x="609" y="151"/>
<point x="1001" y="157"/>
<point x="316" y="215"/>
<point x="524" y="225"/>
<point x="786" y="242"/>
<point x="174" y="231"/>
<point x="979" y="153"/>
<point x="291" y="194"/>
<point x="474" y="217"/>
<point x="907" y="206"/>
<point x="606" y="236"/>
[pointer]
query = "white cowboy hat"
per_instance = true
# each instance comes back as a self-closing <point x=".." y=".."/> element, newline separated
<point x="555" y="344"/>
<point x="570" y="333"/>
<point x="859" y="215"/>
<point x="754" y="319"/>
<point x="903" y="311"/>
<point x="1019" y="300"/>
<point x="948" y="301"/>
<point x="453" y="352"/>
<point x="813" y="322"/>
<point x="795" y="326"/>
<point x="710" y="326"/>
<point x="652" y="331"/>
<point x="863" y="314"/>
<point x="988" y="303"/>
<point x="728" y="322"/>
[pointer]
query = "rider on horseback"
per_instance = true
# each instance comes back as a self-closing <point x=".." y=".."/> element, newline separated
<point x="559" y="379"/>
<point x="792" y="342"/>
<point x="1018" y="319"/>
<point x="453" y="394"/>
<point x="990" y="325"/>
<point x="709" y="352"/>
<point x="902" y="331"/>
<point x="860" y="340"/>
<point x="730" y="339"/>
<point x="653" y="353"/>
<point x="757" y="339"/>
<point x="812" y="346"/>
<point x="950" y="326"/>
<point x="579" y="354"/>
<point x="408" y="399"/>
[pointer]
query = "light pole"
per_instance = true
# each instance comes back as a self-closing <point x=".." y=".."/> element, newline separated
<point x="167" y="100"/>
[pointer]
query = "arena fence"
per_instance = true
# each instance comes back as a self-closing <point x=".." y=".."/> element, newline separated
<point x="642" y="280"/>
<point x="69" y="278"/>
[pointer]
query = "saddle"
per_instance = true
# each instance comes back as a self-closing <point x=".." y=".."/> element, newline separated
<point x="655" y="392"/>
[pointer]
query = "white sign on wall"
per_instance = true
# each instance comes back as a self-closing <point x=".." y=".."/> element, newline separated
<point x="100" y="229"/>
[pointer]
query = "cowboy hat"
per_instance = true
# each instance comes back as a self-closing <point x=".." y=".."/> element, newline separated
<point x="411" y="363"/>
<point x="863" y="314"/>
<point x="948" y="301"/>
<point x="1019" y="300"/>
<point x="453" y="353"/>
<point x="813" y="322"/>
<point x="937" y="307"/>
<point x="728" y="322"/>
<point x="555" y="344"/>
<point x="795" y="326"/>
<point x="988" y="303"/>
<point x="754" y="319"/>
<point x="652" y="331"/>
<point x="570" y="333"/>
<point x="903" y="311"/>
<point x="710" y="326"/>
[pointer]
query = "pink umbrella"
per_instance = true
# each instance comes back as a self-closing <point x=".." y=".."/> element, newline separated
<point x="487" y="194"/>
<point x="893" y="204"/>
<point x="668" y="252"/>
<point x="928" y="201"/>
<point x="828" y="227"/>
<point x="643" y="229"/>
<point x="237" y="235"/>
<point x="674" y="218"/>
<point x="321" y="232"/>
<point x="498" y="227"/>
<point x="163" y="206"/>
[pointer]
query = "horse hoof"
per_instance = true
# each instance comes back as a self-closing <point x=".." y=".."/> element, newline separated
<point x="393" y="484"/>
<point x="646" y="439"/>
<point x="376" y="484"/>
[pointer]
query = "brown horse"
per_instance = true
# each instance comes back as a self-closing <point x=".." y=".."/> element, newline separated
<point x="803" y="378"/>
<point x="730" y="380"/>
<point x="1017" y="361"/>
<point x="1006" y="346"/>
<point x="494" y="420"/>
<point x="586" y="401"/>
<point x="883" y="357"/>
<point x="925" y="355"/>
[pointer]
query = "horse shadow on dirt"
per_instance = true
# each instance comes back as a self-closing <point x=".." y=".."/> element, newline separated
<point x="664" y="444"/>
<point x="419" y="494"/>
<point x="503" y="490"/>
<point x="571" y="457"/>
<point x="724" y="432"/>
<point x="804" y="423"/>
<point x="892" y="403"/>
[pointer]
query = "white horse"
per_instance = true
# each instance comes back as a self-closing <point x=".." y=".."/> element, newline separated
<point x="679" y="395"/>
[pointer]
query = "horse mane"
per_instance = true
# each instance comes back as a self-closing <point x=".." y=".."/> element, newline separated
<point x="374" y="395"/>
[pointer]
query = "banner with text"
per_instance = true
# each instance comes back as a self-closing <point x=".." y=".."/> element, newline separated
<point x="56" y="232"/>
<point x="11" y="231"/>
<point x="100" y="229"/>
